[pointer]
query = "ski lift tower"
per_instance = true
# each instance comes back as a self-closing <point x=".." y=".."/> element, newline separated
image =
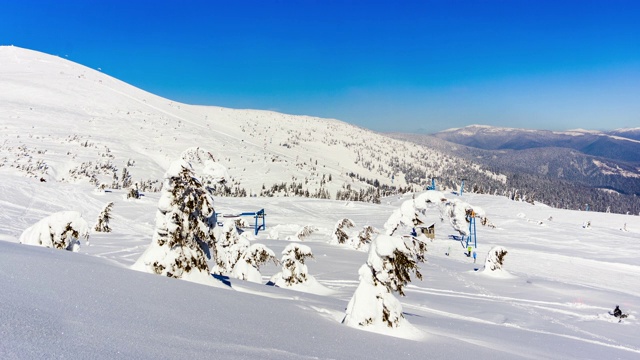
<point x="433" y="184"/>
<point x="472" y="239"/>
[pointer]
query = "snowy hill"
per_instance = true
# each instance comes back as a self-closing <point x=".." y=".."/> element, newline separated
<point x="65" y="122"/>
<point x="73" y="127"/>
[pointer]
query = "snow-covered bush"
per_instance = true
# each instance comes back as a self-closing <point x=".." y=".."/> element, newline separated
<point x="412" y="212"/>
<point x="294" y="271"/>
<point x="183" y="236"/>
<point x="495" y="259"/>
<point x="362" y="240"/>
<point x="61" y="230"/>
<point x="408" y="215"/>
<point x="248" y="266"/>
<point x="133" y="192"/>
<point x="102" y="225"/>
<point x="236" y="257"/>
<point x="229" y="247"/>
<point x="339" y="235"/>
<point x="388" y="269"/>
<point x="210" y="171"/>
<point x="305" y="232"/>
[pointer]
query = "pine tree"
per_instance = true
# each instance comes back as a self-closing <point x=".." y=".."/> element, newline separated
<point x="388" y="269"/>
<point x="183" y="237"/>
<point x="229" y="247"/>
<point x="363" y="240"/>
<point x="339" y="235"/>
<point x="102" y="225"/>
<point x="495" y="259"/>
<point x="248" y="266"/>
<point x="294" y="270"/>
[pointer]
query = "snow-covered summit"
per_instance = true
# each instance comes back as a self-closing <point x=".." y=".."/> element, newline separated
<point x="67" y="122"/>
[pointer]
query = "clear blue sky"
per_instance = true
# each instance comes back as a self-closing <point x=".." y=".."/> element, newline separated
<point x="383" y="65"/>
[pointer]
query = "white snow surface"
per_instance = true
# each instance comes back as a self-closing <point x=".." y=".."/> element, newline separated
<point x="56" y="115"/>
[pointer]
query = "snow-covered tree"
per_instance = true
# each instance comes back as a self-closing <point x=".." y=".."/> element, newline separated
<point x="305" y="232"/>
<point x="61" y="230"/>
<point x="210" y="171"/>
<point x="412" y="212"/>
<point x="184" y="221"/>
<point x="339" y="235"/>
<point x="388" y="269"/>
<point x="229" y="246"/>
<point x="236" y="256"/>
<point x="294" y="270"/>
<point x="126" y="178"/>
<point x="248" y="266"/>
<point x="362" y="240"/>
<point x="102" y="225"/>
<point x="495" y="259"/>
<point x="133" y="192"/>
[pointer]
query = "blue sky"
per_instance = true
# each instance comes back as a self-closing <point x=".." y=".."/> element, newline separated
<point x="383" y="65"/>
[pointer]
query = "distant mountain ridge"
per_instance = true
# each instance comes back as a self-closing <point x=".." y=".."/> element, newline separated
<point x="579" y="161"/>
<point x="621" y="144"/>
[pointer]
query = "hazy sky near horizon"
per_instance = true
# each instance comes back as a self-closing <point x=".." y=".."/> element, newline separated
<point x="383" y="65"/>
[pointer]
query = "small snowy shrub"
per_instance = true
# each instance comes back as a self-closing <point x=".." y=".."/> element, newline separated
<point x="133" y="192"/>
<point x="61" y="230"/>
<point x="183" y="236"/>
<point x="495" y="259"/>
<point x="102" y="225"/>
<point x="363" y="239"/>
<point x="339" y="235"/>
<point x="305" y="232"/>
<point x="388" y="269"/>
<point x="248" y="266"/>
<point x="229" y="246"/>
<point x="294" y="271"/>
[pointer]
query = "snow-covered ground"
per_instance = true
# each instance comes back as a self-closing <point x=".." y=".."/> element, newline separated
<point x="565" y="279"/>
<point x="63" y="125"/>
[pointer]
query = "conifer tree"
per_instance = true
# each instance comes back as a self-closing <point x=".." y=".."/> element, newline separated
<point x="102" y="225"/>
<point x="339" y="235"/>
<point x="184" y="221"/>
<point x="388" y="269"/>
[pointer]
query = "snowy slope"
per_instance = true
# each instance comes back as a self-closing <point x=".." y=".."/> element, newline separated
<point x="60" y="120"/>
<point x="565" y="280"/>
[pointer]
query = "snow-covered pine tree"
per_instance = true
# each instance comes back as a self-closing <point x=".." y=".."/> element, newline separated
<point x="294" y="270"/>
<point x="339" y="235"/>
<point x="102" y="225"/>
<point x="61" y="230"/>
<point x="362" y="241"/>
<point x="305" y="232"/>
<point x="248" y="266"/>
<point x="388" y="269"/>
<point x="183" y="236"/>
<point x="126" y="178"/>
<point x="229" y="246"/>
<point x="495" y="259"/>
<point x="133" y="192"/>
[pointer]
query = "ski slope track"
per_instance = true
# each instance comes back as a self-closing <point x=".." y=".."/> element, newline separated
<point x="566" y="270"/>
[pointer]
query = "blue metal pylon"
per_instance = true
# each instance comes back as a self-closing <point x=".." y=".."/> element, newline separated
<point x="472" y="238"/>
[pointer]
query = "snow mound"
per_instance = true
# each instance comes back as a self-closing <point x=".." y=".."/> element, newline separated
<point x="61" y="230"/>
<point x="494" y="264"/>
